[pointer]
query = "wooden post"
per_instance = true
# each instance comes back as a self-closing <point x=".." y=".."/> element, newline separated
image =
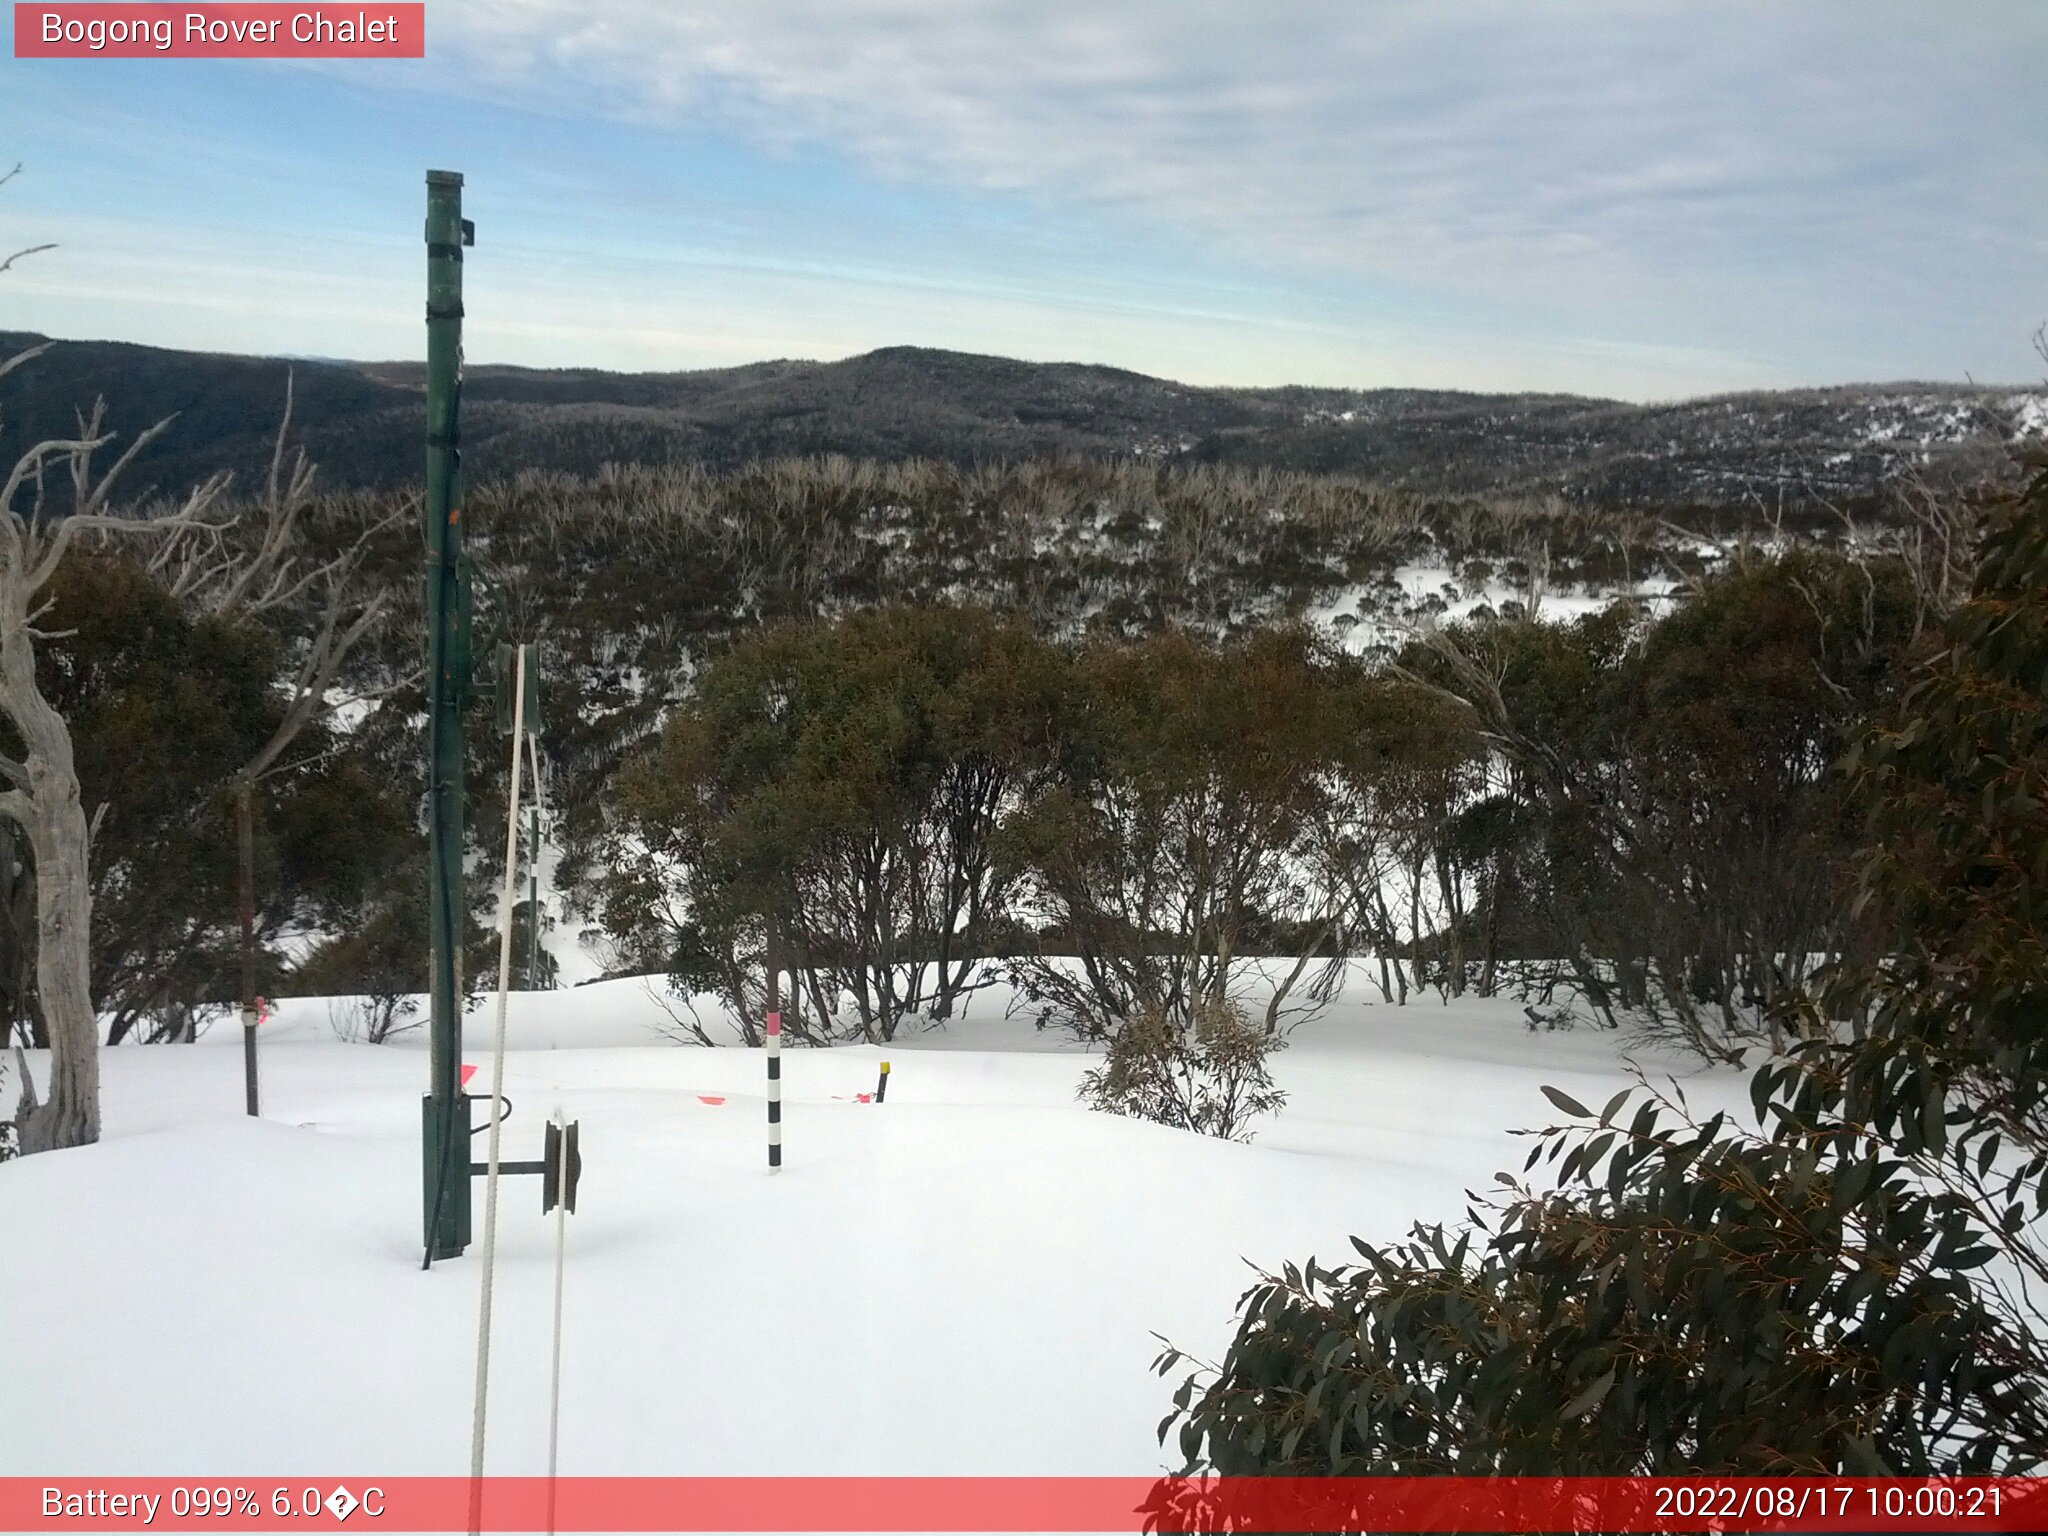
<point x="245" y="838"/>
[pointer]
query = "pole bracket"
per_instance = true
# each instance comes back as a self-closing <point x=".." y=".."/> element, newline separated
<point x="560" y="1168"/>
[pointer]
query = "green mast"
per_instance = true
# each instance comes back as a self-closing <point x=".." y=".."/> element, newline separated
<point x="445" y="1144"/>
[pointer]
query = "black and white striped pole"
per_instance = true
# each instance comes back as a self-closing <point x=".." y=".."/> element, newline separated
<point x="775" y="1092"/>
<point x="774" y="1059"/>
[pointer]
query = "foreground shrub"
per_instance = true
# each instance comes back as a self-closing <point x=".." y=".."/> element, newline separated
<point x="1693" y="1299"/>
<point x="1205" y="1072"/>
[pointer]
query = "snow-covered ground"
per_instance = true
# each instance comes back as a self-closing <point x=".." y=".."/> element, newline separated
<point x="964" y="1280"/>
<point x="1415" y="597"/>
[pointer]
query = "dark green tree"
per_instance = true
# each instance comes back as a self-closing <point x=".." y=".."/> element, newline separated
<point x="163" y="706"/>
<point x="1192" y="826"/>
<point x="841" y="784"/>
<point x="1661" y="822"/>
<point x="1839" y="1285"/>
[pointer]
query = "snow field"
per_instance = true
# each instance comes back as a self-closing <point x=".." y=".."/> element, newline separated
<point x="964" y="1280"/>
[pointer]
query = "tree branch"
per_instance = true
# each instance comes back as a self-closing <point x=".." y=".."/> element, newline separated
<point x="31" y="250"/>
<point x="25" y="355"/>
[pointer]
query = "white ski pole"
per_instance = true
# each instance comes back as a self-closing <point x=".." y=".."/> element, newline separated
<point x="483" y="1320"/>
<point x="561" y="1175"/>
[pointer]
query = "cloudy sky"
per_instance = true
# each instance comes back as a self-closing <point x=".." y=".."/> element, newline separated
<point x="1629" y="197"/>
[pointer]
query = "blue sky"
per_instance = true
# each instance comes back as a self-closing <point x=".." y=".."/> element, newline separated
<point x="1633" y="197"/>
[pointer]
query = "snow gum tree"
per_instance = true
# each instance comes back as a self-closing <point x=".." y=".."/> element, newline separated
<point x="1192" y="826"/>
<point x="1658" y="824"/>
<point x="841" y="784"/>
<point x="1207" y="1074"/>
<point x="42" y="794"/>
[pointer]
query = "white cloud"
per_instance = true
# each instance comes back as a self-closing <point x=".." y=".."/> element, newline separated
<point x="1620" y="196"/>
<point x="1679" y="175"/>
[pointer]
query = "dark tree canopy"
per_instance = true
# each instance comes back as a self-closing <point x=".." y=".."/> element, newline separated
<point x="1839" y="1285"/>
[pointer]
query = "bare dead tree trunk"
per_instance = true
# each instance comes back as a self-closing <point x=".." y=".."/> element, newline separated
<point x="43" y="795"/>
<point x="46" y="803"/>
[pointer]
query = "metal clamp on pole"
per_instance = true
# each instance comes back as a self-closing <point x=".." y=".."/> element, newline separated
<point x="561" y="1167"/>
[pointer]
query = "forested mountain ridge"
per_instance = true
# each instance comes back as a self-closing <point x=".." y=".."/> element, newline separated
<point x="361" y="423"/>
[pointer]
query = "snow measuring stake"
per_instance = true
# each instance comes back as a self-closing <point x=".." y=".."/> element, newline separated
<point x="774" y="1090"/>
<point x="773" y="1041"/>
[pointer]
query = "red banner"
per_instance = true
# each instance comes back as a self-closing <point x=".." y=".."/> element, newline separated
<point x="208" y="31"/>
<point x="1010" y="1504"/>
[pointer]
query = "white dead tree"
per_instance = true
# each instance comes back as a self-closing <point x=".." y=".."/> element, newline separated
<point x="42" y="794"/>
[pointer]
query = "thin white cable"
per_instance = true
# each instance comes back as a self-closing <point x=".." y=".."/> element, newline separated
<point x="540" y="799"/>
<point x="483" y="1320"/>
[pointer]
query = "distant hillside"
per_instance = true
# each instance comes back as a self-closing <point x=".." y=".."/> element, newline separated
<point x="362" y="423"/>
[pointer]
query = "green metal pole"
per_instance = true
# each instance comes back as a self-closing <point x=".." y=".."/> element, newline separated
<point x="445" y="1142"/>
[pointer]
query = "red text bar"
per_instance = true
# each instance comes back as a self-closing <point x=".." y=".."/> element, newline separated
<point x="210" y="31"/>
<point x="1014" y="1504"/>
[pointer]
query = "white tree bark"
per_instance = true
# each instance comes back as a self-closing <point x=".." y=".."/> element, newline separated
<point x="48" y="806"/>
<point x="43" y="797"/>
<point x="42" y="793"/>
